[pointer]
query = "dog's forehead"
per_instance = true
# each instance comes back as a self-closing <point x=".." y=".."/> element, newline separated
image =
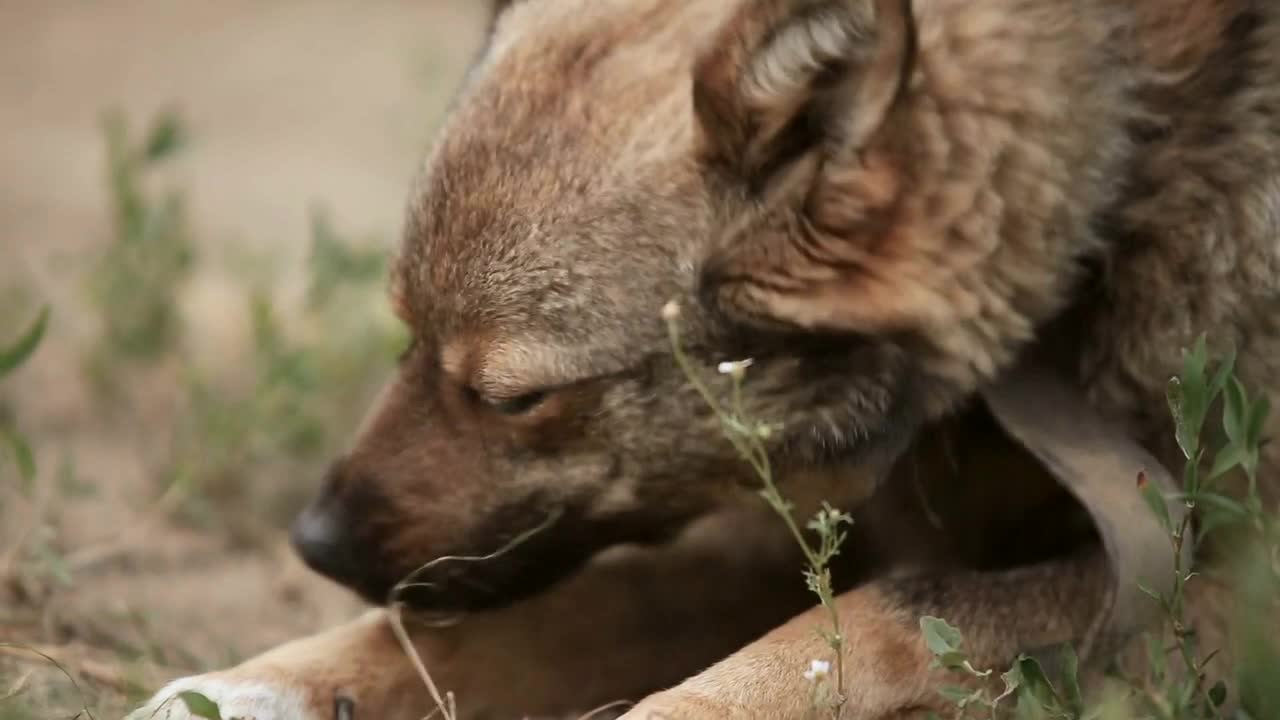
<point x="560" y="188"/>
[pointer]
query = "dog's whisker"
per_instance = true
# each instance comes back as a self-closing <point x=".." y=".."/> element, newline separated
<point x="603" y="708"/>
<point x="423" y="584"/>
<point x="436" y="622"/>
<point x="410" y="580"/>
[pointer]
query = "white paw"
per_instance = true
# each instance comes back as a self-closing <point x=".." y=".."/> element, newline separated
<point x="235" y="699"/>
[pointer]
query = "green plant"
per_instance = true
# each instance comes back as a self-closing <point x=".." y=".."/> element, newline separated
<point x="1025" y="682"/>
<point x="150" y="256"/>
<point x="1181" y="691"/>
<point x="11" y="358"/>
<point x="1253" y="529"/>
<point x="748" y="437"/>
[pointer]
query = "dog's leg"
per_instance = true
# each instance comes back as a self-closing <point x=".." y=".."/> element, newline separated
<point x="306" y="678"/>
<point x="632" y="622"/>
<point x="887" y="665"/>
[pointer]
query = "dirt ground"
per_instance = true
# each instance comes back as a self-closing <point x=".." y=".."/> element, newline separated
<point x="286" y="103"/>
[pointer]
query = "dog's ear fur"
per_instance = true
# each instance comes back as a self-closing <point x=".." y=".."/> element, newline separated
<point x="794" y="102"/>
<point x="785" y="76"/>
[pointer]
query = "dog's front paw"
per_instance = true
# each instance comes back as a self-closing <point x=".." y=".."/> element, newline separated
<point x="234" y="698"/>
<point x="354" y="669"/>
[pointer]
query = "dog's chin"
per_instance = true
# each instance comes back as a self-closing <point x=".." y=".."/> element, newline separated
<point x="493" y="575"/>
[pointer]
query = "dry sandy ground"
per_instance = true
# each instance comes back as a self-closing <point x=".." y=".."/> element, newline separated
<point x="288" y="102"/>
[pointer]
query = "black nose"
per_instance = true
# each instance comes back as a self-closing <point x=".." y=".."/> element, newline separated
<point x="333" y="536"/>
<point x="321" y="541"/>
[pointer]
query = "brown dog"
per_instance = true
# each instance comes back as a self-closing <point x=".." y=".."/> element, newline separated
<point x="890" y="206"/>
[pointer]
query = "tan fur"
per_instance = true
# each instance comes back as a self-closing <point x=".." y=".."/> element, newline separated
<point x="885" y="205"/>
<point x="888" y="671"/>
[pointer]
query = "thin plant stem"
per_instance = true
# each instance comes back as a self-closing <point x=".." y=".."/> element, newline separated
<point x="747" y="441"/>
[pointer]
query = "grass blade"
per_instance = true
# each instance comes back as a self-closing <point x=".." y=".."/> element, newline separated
<point x="12" y="357"/>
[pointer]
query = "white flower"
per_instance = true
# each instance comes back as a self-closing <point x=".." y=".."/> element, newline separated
<point x="735" y="368"/>
<point x="671" y="311"/>
<point x="817" y="669"/>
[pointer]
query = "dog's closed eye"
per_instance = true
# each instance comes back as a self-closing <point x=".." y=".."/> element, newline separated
<point x="520" y="404"/>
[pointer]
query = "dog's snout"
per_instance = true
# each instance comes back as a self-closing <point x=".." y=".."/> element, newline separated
<point x="333" y="537"/>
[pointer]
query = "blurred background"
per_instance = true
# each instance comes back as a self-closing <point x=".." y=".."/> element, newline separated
<point x="197" y="202"/>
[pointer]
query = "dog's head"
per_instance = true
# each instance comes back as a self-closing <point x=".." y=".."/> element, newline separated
<point x="604" y="158"/>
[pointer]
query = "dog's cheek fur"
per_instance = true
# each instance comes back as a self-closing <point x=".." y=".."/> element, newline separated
<point x="843" y="403"/>
<point x="638" y="459"/>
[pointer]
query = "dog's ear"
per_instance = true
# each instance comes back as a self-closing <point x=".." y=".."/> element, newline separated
<point x="795" y="101"/>
<point x="784" y="77"/>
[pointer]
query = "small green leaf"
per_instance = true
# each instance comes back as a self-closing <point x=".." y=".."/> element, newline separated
<point x="166" y="137"/>
<point x="1194" y="361"/>
<point x="1071" y="681"/>
<point x="942" y="638"/>
<point x="958" y="695"/>
<point x="1154" y="595"/>
<point x="22" y="457"/>
<point x="12" y="357"/>
<point x="1218" y="694"/>
<point x="200" y="705"/>
<point x="1223" y="504"/>
<point x="1155" y="501"/>
<point x="1235" y="412"/>
<point x="1257" y="422"/>
<point x="1228" y="458"/>
<point x="1212" y="521"/>
<point x="1225" y="367"/>
<point x="1156" y="657"/>
<point x="1035" y="684"/>
<point x="953" y="660"/>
